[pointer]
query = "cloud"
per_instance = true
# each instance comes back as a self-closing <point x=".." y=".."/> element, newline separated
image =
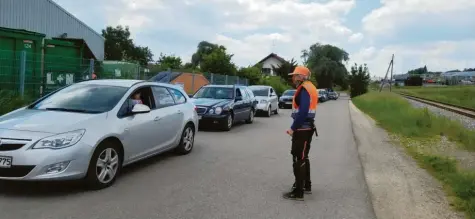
<point x="435" y="33"/>
<point x="437" y="56"/>
<point x="395" y="14"/>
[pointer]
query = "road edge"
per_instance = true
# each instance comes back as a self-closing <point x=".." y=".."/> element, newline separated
<point x="398" y="187"/>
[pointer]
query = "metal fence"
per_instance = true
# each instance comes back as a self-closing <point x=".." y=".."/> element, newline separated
<point x="35" y="74"/>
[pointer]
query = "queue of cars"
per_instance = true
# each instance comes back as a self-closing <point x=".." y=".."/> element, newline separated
<point x="285" y="101"/>
<point x="90" y="130"/>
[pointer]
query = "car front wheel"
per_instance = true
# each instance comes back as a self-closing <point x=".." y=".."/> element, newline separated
<point x="104" y="166"/>
<point x="228" y="123"/>
<point x="251" y="117"/>
<point x="187" y="140"/>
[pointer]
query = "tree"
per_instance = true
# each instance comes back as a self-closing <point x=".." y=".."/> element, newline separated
<point x="327" y="65"/>
<point x="218" y="61"/>
<point x="359" y="80"/>
<point x="169" y="61"/>
<point x="252" y="73"/>
<point x="119" y="46"/>
<point x="204" y="48"/>
<point x="284" y="69"/>
<point x="418" y="71"/>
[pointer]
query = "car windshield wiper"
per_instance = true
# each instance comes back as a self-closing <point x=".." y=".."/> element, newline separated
<point x="72" y="110"/>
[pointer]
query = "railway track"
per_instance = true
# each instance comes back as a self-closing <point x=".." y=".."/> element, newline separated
<point x="468" y="112"/>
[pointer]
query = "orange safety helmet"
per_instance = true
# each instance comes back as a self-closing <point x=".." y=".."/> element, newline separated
<point x="301" y="70"/>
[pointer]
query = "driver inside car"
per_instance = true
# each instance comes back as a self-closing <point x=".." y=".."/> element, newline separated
<point x="136" y="98"/>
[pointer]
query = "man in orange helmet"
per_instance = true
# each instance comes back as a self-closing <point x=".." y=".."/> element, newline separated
<point x="303" y="112"/>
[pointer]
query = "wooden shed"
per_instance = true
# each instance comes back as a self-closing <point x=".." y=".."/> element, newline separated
<point x="191" y="82"/>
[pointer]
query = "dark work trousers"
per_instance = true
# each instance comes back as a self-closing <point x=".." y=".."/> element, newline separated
<point x="301" y="140"/>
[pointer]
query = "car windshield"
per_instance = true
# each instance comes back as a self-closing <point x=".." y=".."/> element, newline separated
<point x="289" y="93"/>
<point x="215" y="93"/>
<point x="261" y="92"/>
<point x="83" y="98"/>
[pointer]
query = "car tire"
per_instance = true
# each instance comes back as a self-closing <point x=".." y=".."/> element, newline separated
<point x="228" y="124"/>
<point x="251" y="117"/>
<point x="187" y="140"/>
<point x="269" y="112"/>
<point x="110" y="156"/>
<point x="276" y="111"/>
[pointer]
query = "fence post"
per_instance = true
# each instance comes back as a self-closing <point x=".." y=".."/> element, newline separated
<point x="212" y="78"/>
<point x="193" y="82"/>
<point x="22" y="72"/>
<point x="91" y="68"/>
<point x="169" y="75"/>
<point x="226" y="80"/>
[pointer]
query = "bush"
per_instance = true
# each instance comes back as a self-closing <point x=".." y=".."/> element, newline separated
<point x="415" y="80"/>
<point x="279" y="84"/>
<point x="10" y="101"/>
<point x="359" y="80"/>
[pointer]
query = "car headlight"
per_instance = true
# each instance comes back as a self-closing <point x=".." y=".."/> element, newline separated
<point x="218" y="110"/>
<point x="59" y="141"/>
<point x="263" y="101"/>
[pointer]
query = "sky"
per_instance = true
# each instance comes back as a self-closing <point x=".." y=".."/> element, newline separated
<point x="437" y="33"/>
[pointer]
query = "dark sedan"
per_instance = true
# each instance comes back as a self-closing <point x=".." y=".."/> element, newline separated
<point x="223" y="105"/>
<point x="286" y="99"/>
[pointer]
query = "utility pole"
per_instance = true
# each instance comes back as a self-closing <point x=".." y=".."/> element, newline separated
<point x="386" y="76"/>
<point x="273" y="46"/>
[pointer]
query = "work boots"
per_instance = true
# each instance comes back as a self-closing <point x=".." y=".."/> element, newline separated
<point x="294" y="195"/>
<point x="307" y="189"/>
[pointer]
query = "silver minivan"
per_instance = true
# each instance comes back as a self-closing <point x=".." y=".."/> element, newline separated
<point x="268" y="101"/>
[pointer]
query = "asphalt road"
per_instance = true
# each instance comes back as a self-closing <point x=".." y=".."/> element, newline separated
<point x="236" y="174"/>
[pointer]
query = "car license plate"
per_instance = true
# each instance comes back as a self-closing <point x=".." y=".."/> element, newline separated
<point x="5" y="162"/>
<point x="288" y="102"/>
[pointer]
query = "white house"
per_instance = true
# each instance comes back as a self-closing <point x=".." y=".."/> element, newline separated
<point x="269" y="61"/>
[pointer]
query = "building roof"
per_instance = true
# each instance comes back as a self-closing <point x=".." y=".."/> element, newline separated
<point x="47" y="17"/>
<point x="459" y="73"/>
<point x="165" y="76"/>
<point x="272" y="55"/>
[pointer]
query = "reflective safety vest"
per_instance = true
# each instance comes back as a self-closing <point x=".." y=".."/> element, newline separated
<point x="313" y="92"/>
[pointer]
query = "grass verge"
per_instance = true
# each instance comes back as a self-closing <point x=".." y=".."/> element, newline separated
<point x="456" y="95"/>
<point x="418" y="130"/>
<point x="10" y="101"/>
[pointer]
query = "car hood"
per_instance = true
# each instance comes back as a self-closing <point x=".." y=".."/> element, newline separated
<point x="47" y="121"/>
<point x="259" y="98"/>
<point x="210" y="102"/>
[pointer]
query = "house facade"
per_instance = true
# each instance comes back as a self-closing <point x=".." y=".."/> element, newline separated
<point x="269" y="61"/>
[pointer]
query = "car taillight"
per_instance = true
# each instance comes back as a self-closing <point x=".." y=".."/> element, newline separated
<point x="196" y="108"/>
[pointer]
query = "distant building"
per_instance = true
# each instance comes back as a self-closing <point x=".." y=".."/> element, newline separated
<point x="189" y="81"/>
<point x="269" y="61"/>
<point x="47" y="17"/>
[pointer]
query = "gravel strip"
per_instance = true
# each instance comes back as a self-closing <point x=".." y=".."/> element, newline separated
<point x="466" y="121"/>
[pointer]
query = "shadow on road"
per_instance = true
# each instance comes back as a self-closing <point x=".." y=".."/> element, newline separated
<point x="68" y="188"/>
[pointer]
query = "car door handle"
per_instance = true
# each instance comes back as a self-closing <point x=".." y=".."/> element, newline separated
<point x="179" y="112"/>
<point x="157" y="118"/>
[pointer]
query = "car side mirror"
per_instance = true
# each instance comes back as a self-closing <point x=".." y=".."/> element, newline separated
<point x="140" y="108"/>
<point x="239" y="98"/>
